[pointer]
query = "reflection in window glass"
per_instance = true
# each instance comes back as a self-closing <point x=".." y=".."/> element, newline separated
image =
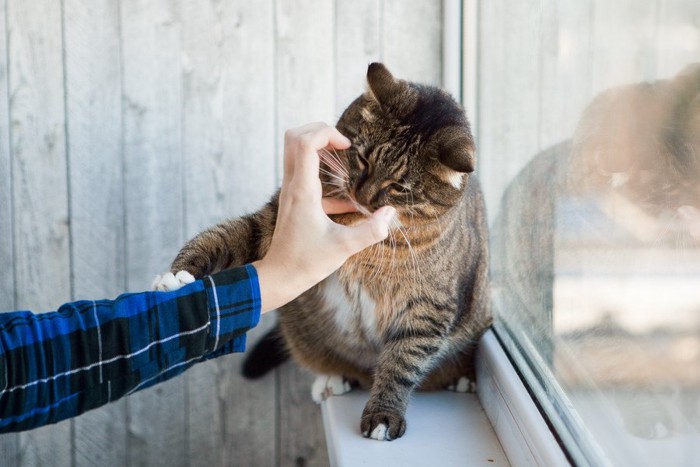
<point x="589" y="143"/>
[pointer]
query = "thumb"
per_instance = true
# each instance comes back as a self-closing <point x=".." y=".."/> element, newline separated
<point x="373" y="230"/>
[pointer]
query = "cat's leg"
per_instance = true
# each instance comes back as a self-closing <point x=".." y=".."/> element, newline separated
<point x="454" y="373"/>
<point x="232" y="243"/>
<point x="325" y="386"/>
<point x="405" y="361"/>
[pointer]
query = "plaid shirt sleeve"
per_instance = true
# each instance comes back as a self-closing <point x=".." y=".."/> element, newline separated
<point x="60" y="364"/>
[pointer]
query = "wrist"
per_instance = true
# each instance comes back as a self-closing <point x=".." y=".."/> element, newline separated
<point x="278" y="285"/>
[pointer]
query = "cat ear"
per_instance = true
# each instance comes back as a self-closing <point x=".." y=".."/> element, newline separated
<point x="456" y="149"/>
<point x="390" y="93"/>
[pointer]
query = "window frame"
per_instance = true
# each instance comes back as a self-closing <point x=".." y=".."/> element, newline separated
<point x="520" y="412"/>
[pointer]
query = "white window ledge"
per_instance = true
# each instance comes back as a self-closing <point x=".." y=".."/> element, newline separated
<point x="498" y="426"/>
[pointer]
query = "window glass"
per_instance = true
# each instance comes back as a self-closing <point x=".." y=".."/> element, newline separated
<point x="588" y="118"/>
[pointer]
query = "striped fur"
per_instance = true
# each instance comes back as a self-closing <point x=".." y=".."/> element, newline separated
<point x="405" y="313"/>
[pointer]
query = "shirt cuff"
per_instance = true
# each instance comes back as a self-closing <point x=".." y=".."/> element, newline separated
<point x="234" y="308"/>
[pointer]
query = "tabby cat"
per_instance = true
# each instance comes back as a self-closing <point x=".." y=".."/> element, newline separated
<point x="622" y="182"/>
<point x="405" y="313"/>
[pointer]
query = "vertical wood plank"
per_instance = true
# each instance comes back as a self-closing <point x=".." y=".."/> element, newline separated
<point x="9" y="443"/>
<point x="302" y="441"/>
<point x="151" y="64"/>
<point x="631" y="26"/>
<point x="412" y="40"/>
<point x="229" y="154"/>
<point x="678" y="36"/>
<point x="39" y="184"/>
<point x="93" y="109"/>
<point x="248" y="410"/>
<point x="357" y="44"/>
<point x="40" y="191"/>
<point x="305" y="92"/>
<point x="305" y="63"/>
<point x="492" y="104"/>
<point x="509" y="105"/>
<point x="566" y="57"/>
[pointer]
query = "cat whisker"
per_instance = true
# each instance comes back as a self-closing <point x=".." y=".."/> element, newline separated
<point x="333" y="176"/>
<point x="333" y="162"/>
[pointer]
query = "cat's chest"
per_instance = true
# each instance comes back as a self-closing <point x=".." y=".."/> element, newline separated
<point x="354" y="311"/>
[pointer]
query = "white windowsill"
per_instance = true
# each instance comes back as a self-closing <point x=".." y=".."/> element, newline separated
<point x="498" y="425"/>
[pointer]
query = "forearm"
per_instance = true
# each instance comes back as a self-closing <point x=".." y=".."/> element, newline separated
<point x="59" y="364"/>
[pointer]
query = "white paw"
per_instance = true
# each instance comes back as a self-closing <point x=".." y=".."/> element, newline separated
<point x="325" y="386"/>
<point x="464" y="384"/>
<point x="170" y="281"/>
<point x="379" y="432"/>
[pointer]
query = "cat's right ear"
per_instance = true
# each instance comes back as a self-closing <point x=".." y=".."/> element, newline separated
<point x="392" y="95"/>
<point x="456" y="149"/>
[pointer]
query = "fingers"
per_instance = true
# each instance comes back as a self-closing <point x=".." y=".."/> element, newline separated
<point x="301" y="145"/>
<point x="337" y="206"/>
<point x="375" y="229"/>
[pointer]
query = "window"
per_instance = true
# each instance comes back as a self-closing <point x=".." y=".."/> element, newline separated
<point x="588" y="133"/>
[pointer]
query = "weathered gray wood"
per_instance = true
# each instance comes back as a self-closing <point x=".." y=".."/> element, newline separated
<point x="93" y="112"/>
<point x="249" y="418"/>
<point x="305" y="93"/>
<point x="412" y="40"/>
<point x="302" y="440"/>
<point x="305" y="68"/>
<point x="492" y="103"/>
<point x="42" y="262"/>
<point x="631" y="26"/>
<point x="229" y="155"/>
<point x="565" y="57"/>
<point x="153" y="200"/>
<point x="9" y="443"/>
<point x="678" y="36"/>
<point x="357" y="44"/>
<point x="208" y="89"/>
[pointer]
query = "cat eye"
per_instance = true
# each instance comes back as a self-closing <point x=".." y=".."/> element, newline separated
<point x="397" y="188"/>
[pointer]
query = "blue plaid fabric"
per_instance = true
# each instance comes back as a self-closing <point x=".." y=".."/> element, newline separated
<point x="60" y="364"/>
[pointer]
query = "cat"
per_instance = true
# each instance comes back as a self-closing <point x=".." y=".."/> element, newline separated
<point x="622" y="182"/>
<point x="407" y="312"/>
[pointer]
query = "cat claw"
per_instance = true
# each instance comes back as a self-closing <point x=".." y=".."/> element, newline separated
<point x="170" y="281"/>
<point x="325" y="386"/>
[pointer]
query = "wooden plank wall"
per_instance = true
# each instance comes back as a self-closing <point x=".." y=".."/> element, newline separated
<point x="127" y="127"/>
<point x="541" y="63"/>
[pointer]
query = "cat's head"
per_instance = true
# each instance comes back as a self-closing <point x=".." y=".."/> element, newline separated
<point x="411" y="148"/>
<point x="643" y="141"/>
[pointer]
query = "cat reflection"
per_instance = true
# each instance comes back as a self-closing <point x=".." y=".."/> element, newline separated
<point x="596" y="254"/>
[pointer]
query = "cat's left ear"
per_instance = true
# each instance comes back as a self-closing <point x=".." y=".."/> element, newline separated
<point x="456" y="149"/>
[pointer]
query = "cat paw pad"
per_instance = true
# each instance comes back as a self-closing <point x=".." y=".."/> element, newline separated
<point x="325" y="386"/>
<point x="170" y="281"/>
<point x="463" y="384"/>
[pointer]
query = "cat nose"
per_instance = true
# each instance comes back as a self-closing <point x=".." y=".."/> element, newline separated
<point x="372" y="200"/>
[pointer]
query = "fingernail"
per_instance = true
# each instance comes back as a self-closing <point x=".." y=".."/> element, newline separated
<point x="388" y="213"/>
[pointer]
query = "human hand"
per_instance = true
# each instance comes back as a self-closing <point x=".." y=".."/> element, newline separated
<point x="307" y="246"/>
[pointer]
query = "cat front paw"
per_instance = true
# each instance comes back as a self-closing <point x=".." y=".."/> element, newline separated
<point x="382" y="424"/>
<point x="463" y="384"/>
<point x="325" y="386"/>
<point x="170" y="281"/>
